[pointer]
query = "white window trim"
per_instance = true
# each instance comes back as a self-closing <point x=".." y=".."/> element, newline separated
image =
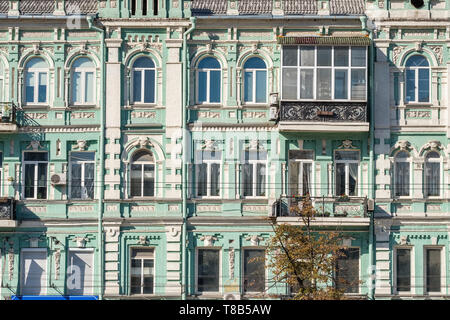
<point x="443" y="270"/>
<point x="83" y="71"/>
<point x="208" y="89"/>
<point x="142" y="163"/>
<point x="266" y="271"/>
<point x="90" y="250"/>
<point x="82" y="163"/>
<point x="255" y="180"/>
<point x="36" y="164"/>
<point x="36" y="72"/>
<point x="416" y="84"/>
<point x="142" y="266"/>
<point x="411" y="173"/>
<point x="441" y="180"/>
<point x="253" y="101"/>
<point x="349" y="68"/>
<point x="347" y="174"/>
<point x="143" y="81"/>
<point x="208" y="293"/>
<point x="208" y="163"/>
<point x="22" y="269"/>
<point x="412" y="271"/>
<point x="300" y="162"/>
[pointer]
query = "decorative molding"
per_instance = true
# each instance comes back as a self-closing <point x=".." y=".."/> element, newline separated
<point x="347" y="144"/>
<point x="433" y="146"/>
<point x="417" y="114"/>
<point x="396" y="52"/>
<point x="254" y="208"/>
<point x="143" y="240"/>
<point x="11" y="263"/>
<point x="139" y="208"/>
<point x="208" y="114"/>
<point x="210" y="145"/>
<point x="403" y="145"/>
<point x="82" y="115"/>
<point x="57" y="263"/>
<point x="254" y="240"/>
<point x="253" y="114"/>
<point x="80" y="208"/>
<point x="324" y="111"/>
<point x="208" y="240"/>
<point x="37" y="115"/>
<point x="231" y="263"/>
<point x="81" y="241"/>
<point x="143" y="114"/>
<point x="34" y="145"/>
<point x="80" y="145"/>
<point x="209" y="208"/>
<point x="438" y="52"/>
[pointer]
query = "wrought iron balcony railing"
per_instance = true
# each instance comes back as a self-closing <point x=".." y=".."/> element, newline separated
<point x="8" y="112"/>
<point x="325" y="206"/>
<point x="7" y="209"/>
<point x="323" y="111"/>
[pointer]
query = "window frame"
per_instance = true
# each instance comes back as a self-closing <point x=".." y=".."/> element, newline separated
<point x="333" y="68"/>
<point x="250" y="293"/>
<point x="425" y="179"/>
<point x="443" y="270"/>
<point x="359" y="269"/>
<point x="208" y="88"/>
<point x="36" y="168"/>
<point x="347" y="173"/>
<point x="82" y="182"/>
<point x="403" y="160"/>
<point x="254" y="88"/>
<point x="209" y="163"/>
<point x="83" y="71"/>
<point x="416" y="81"/>
<point x="36" y="72"/>
<point x="301" y="163"/>
<point x="254" y="164"/>
<point x="143" y="81"/>
<point x="208" y="293"/>
<point x="141" y="274"/>
<point x="412" y="269"/>
<point x="142" y="164"/>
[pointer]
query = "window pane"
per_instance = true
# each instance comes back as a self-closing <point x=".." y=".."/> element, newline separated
<point x="215" y="177"/>
<point x="347" y="270"/>
<point x="346" y="155"/>
<point x="306" y="178"/>
<point x="255" y="63"/>
<point x="358" y="56"/>
<point x="149" y="86"/>
<point x="147" y="274"/>
<point x="208" y="270"/>
<point x="260" y="179"/>
<point x="324" y="56"/>
<point x="340" y="56"/>
<point x="424" y="85"/>
<point x="202" y="179"/>
<point x="90" y="86"/>
<point x="254" y="271"/>
<point x="306" y="84"/>
<point x="289" y="83"/>
<point x="135" y="281"/>
<point x="307" y="56"/>
<point x="83" y="63"/>
<point x="29" y="180"/>
<point x="341" y="84"/>
<point x="89" y="175"/>
<point x="401" y="178"/>
<point x="261" y="86"/>
<point x="35" y="156"/>
<point x="137" y="75"/>
<point x="358" y="84"/>
<point x="433" y="270"/>
<point x="42" y="87"/>
<point x="136" y="180"/>
<point x="214" y="95"/>
<point x="143" y="62"/>
<point x="42" y="181"/>
<point x="417" y="61"/>
<point x="149" y="180"/>
<point x="432" y="174"/>
<point x="209" y="63"/>
<point x="248" y="86"/>
<point x="403" y="269"/>
<point x="247" y="179"/>
<point x="352" y="179"/>
<point x="82" y="156"/>
<point x="30" y="87"/>
<point x="294" y="168"/>
<point x="324" y="84"/>
<point x="410" y="85"/>
<point x="75" y="180"/>
<point x="340" y="179"/>
<point x="290" y="56"/>
<point x="202" y="86"/>
<point x="76" y="87"/>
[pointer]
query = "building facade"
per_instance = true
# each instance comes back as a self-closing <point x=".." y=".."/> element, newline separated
<point x="145" y="144"/>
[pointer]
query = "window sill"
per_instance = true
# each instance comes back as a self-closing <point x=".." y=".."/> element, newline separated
<point x="255" y="105"/>
<point x="83" y="106"/>
<point x="36" y="106"/>
<point x="142" y="105"/>
<point x="206" y="105"/>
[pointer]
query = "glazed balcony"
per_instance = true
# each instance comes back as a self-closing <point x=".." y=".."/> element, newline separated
<point x="7" y="213"/>
<point x="333" y="116"/>
<point x="8" y="112"/>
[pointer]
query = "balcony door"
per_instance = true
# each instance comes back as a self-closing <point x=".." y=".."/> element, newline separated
<point x="300" y="172"/>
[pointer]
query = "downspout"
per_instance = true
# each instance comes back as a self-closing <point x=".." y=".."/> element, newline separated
<point x="100" y="187"/>
<point x="372" y="240"/>
<point x="185" y="104"/>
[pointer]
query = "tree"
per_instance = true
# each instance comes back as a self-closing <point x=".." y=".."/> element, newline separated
<point x="305" y="258"/>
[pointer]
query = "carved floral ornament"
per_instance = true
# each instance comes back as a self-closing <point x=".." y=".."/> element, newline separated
<point x="143" y="142"/>
<point x="403" y="145"/>
<point x="80" y="145"/>
<point x="81" y="241"/>
<point x="208" y="240"/>
<point x="210" y="145"/>
<point x="347" y="144"/>
<point x="433" y="146"/>
<point x="254" y="240"/>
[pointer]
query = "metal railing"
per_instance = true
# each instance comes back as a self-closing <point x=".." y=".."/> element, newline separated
<point x="325" y="206"/>
<point x="8" y="112"/>
<point x="7" y="209"/>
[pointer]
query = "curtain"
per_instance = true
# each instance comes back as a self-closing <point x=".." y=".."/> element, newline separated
<point x="353" y="179"/>
<point x="432" y="177"/>
<point x="75" y="188"/>
<point x="247" y="179"/>
<point x="89" y="172"/>
<point x="306" y="178"/>
<point x="215" y="177"/>
<point x="42" y="181"/>
<point x="402" y="179"/>
<point x="340" y="179"/>
<point x="149" y="180"/>
<point x="260" y="179"/>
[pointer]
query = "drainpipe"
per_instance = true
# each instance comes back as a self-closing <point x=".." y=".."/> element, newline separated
<point x="100" y="187"/>
<point x="185" y="104"/>
<point x="372" y="240"/>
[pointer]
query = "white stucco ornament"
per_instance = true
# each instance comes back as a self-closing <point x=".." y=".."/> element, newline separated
<point x="81" y="145"/>
<point x="81" y="241"/>
<point x="208" y="240"/>
<point x="143" y="240"/>
<point x="254" y="240"/>
<point x="403" y="145"/>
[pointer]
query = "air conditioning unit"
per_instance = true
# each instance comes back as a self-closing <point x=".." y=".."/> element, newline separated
<point x="273" y="113"/>
<point x="58" y="179"/>
<point x="231" y="296"/>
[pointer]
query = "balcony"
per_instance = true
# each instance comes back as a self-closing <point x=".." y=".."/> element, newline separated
<point x="7" y="213"/>
<point x="329" y="210"/>
<point x="323" y="116"/>
<point x="8" y="112"/>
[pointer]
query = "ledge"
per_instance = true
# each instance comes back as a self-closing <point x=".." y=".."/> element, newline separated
<point x="331" y="221"/>
<point x="323" y="126"/>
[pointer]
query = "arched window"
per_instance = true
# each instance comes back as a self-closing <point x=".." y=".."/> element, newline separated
<point x="402" y="169"/>
<point x="36" y="81"/>
<point x="83" y="81"/>
<point x="144" y="73"/>
<point x="417" y="79"/>
<point x="255" y="81"/>
<point x="142" y="174"/>
<point x="208" y="81"/>
<point x="432" y="174"/>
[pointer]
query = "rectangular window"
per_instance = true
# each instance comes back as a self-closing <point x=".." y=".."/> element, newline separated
<point x="82" y="175"/>
<point x="142" y="271"/>
<point x="137" y="85"/>
<point x="149" y="86"/>
<point x="89" y="87"/>
<point x="433" y="270"/>
<point x="33" y="272"/>
<point x="42" y="87"/>
<point x="76" y="88"/>
<point x="80" y="268"/>
<point x="300" y="172"/>
<point x="29" y="89"/>
<point x="324" y="73"/>
<point x="207" y="173"/>
<point x="347" y="270"/>
<point x="254" y="173"/>
<point x="208" y="270"/>
<point x="35" y="175"/>
<point x="254" y="270"/>
<point x="403" y="269"/>
<point x="402" y="178"/>
<point x="347" y="167"/>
